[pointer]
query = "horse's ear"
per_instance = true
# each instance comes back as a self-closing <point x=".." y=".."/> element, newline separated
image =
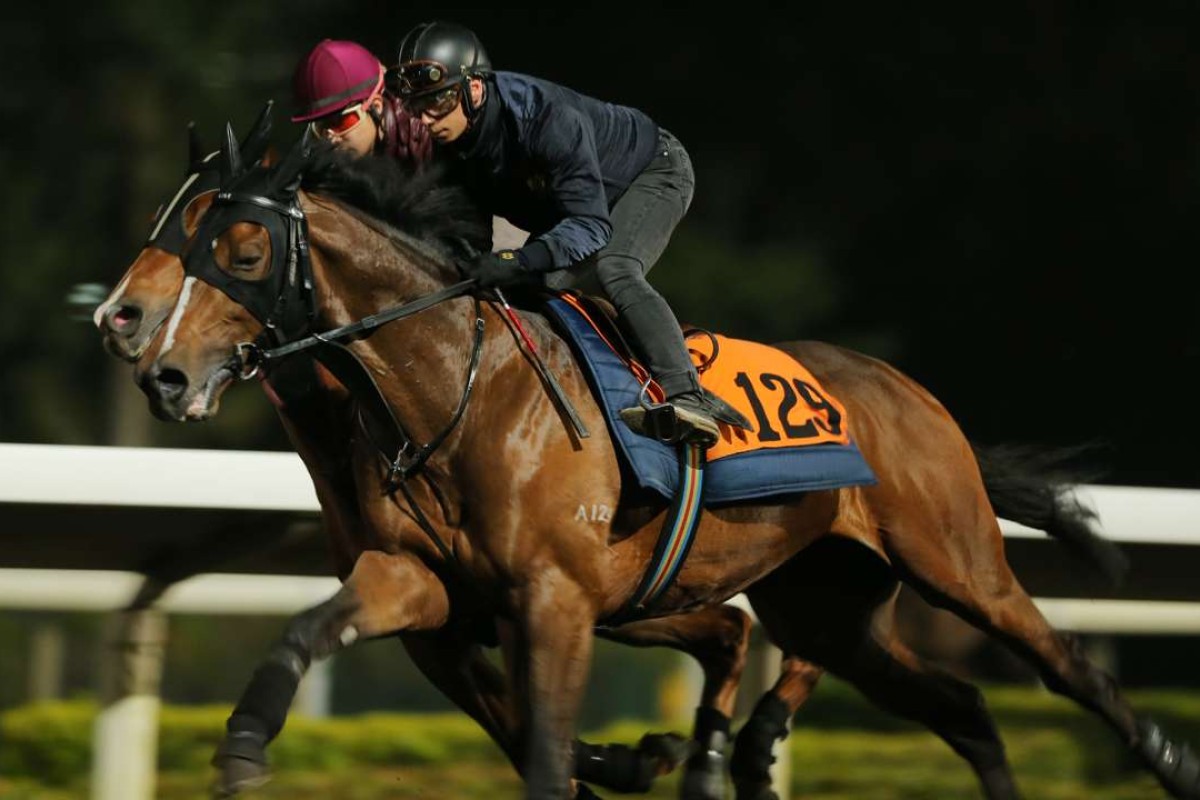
<point x="255" y="143"/>
<point x="231" y="157"/>
<point x="195" y="151"/>
<point x="286" y="178"/>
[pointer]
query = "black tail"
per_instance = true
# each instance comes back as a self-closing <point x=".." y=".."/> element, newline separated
<point x="1034" y="487"/>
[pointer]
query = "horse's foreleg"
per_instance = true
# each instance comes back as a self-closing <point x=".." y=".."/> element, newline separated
<point x="384" y="594"/>
<point x="718" y="637"/>
<point x="551" y="660"/>
<point x="750" y="766"/>
<point x="460" y="670"/>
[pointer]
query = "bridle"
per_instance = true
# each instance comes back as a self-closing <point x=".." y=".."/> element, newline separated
<point x="285" y="304"/>
<point x="293" y="311"/>
<point x="203" y="175"/>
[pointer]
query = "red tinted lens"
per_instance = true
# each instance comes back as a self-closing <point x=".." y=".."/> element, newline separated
<point x="341" y="123"/>
<point x="435" y="104"/>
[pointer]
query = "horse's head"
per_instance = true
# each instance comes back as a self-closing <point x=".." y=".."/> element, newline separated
<point x="245" y="279"/>
<point x="382" y="233"/>
<point x="138" y="306"/>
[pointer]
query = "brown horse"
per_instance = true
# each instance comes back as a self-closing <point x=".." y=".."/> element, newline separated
<point x="147" y="293"/>
<point x="509" y="473"/>
<point x="319" y="423"/>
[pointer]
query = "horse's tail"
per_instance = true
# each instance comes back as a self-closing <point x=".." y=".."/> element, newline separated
<point x="1034" y="487"/>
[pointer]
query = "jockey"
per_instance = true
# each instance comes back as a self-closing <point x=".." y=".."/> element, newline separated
<point x="338" y="90"/>
<point x="600" y="187"/>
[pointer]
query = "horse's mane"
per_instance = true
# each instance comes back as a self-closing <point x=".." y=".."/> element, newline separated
<point x="415" y="200"/>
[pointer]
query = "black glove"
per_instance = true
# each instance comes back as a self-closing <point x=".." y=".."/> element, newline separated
<point x="499" y="269"/>
<point x="504" y="268"/>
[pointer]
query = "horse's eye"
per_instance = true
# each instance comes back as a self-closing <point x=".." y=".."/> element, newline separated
<point x="247" y="260"/>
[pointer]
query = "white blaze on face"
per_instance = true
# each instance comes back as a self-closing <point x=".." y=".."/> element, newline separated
<point x="170" y="208"/>
<point x="177" y="314"/>
<point x="164" y="214"/>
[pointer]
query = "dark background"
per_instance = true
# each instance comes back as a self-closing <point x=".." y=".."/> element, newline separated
<point x="999" y="200"/>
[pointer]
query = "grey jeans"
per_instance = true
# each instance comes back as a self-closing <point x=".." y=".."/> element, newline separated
<point x="643" y="220"/>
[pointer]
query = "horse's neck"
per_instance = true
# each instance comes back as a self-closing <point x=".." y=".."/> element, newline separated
<point x="419" y="363"/>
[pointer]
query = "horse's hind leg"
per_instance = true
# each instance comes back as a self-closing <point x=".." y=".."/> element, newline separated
<point x="968" y="574"/>
<point x="1003" y="608"/>
<point x="896" y="679"/>
<point x="851" y="637"/>
<point x="384" y="594"/>
<point x="750" y="766"/>
<point x="718" y="638"/>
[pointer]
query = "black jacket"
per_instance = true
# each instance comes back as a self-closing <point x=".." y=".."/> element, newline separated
<point x="551" y="161"/>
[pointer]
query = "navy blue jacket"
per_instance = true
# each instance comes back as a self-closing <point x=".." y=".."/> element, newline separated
<point x="551" y="161"/>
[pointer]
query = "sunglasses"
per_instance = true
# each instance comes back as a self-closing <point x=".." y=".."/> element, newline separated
<point x="434" y="104"/>
<point x="341" y="123"/>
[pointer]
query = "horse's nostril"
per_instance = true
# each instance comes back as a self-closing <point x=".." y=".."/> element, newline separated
<point x="123" y="318"/>
<point x="171" y="384"/>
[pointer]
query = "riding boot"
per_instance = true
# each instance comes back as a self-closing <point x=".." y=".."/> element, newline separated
<point x="690" y="413"/>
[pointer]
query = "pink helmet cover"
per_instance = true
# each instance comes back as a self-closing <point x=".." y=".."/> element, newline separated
<point x="333" y="75"/>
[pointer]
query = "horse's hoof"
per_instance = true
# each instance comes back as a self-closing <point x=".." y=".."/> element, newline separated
<point x="704" y="776"/>
<point x="1176" y="766"/>
<point x="236" y="775"/>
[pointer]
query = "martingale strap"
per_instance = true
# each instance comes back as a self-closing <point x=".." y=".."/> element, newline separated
<point x="674" y="541"/>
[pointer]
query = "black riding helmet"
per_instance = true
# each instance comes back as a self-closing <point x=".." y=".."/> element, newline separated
<point x="435" y="58"/>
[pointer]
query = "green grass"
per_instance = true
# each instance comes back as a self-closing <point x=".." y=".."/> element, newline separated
<point x="826" y="765"/>
<point x="841" y="749"/>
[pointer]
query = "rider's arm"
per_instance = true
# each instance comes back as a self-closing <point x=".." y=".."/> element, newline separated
<point x="565" y="144"/>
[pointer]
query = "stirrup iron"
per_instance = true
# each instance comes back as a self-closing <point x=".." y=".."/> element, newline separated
<point x="660" y="421"/>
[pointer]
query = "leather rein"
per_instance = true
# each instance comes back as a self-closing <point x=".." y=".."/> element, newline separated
<point x="294" y="309"/>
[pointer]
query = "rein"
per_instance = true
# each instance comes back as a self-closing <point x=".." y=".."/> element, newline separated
<point x="366" y="324"/>
<point x="295" y="293"/>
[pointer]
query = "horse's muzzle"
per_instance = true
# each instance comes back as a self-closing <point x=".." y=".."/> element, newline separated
<point x="120" y="324"/>
<point x="166" y="388"/>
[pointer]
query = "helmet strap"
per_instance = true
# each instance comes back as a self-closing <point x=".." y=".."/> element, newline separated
<point x="469" y="107"/>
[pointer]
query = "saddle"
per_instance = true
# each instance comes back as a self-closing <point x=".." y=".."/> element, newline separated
<point x="801" y="434"/>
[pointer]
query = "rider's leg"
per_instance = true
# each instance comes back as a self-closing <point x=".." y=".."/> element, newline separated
<point x="643" y="221"/>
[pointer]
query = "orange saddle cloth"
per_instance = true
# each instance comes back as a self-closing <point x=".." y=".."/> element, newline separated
<point x="786" y="403"/>
<point x="801" y="439"/>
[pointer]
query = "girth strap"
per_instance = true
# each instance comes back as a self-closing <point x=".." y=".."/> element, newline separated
<point x="674" y="541"/>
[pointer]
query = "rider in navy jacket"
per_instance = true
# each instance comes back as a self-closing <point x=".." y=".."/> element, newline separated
<point x="600" y="188"/>
<point x="553" y="162"/>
